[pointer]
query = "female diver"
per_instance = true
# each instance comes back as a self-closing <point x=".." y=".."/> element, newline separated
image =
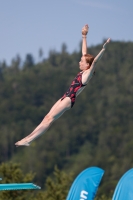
<point x="87" y="66"/>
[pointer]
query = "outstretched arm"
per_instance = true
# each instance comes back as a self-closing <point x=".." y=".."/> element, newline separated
<point x="99" y="56"/>
<point x="84" y="41"/>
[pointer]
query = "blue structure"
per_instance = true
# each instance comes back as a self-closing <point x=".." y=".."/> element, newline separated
<point x="124" y="188"/>
<point x="86" y="184"/>
<point x="18" y="186"/>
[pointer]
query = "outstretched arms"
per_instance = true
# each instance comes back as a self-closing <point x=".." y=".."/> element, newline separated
<point x="84" y="42"/>
<point x="99" y="56"/>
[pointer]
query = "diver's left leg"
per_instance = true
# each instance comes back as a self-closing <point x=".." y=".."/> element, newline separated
<point x="54" y="114"/>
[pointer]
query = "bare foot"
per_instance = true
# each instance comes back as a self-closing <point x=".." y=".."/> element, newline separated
<point x="22" y="143"/>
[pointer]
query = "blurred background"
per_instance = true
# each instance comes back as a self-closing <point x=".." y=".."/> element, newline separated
<point x="40" y="48"/>
<point x="27" y="26"/>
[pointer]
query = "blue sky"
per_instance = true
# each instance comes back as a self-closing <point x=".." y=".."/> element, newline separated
<point x="28" y="25"/>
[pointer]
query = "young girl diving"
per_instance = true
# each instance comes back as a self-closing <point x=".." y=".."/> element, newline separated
<point x="87" y="67"/>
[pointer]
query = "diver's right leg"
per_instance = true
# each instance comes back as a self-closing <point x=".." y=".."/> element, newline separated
<point x="56" y="111"/>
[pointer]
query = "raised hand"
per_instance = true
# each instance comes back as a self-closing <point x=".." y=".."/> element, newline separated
<point x="85" y="29"/>
<point x="105" y="44"/>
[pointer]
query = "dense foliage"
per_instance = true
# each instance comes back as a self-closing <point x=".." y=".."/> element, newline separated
<point x="97" y="131"/>
<point x="11" y="173"/>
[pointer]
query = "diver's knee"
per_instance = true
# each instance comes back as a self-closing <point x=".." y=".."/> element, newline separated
<point x="48" y="119"/>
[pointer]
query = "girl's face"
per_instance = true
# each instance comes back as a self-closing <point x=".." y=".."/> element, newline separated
<point x="83" y="65"/>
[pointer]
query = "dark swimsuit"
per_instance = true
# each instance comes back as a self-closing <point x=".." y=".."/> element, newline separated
<point x="74" y="87"/>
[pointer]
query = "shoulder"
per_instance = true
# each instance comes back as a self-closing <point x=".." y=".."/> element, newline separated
<point x="86" y="76"/>
<point x="87" y="71"/>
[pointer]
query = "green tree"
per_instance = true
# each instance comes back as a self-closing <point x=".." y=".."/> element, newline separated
<point x="58" y="186"/>
<point x="103" y="197"/>
<point x="11" y="173"/>
<point x="97" y="131"/>
<point x="29" y="61"/>
<point x="40" y="53"/>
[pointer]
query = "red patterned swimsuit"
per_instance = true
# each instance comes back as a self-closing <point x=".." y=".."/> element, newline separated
<point x="74" y="88"/>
